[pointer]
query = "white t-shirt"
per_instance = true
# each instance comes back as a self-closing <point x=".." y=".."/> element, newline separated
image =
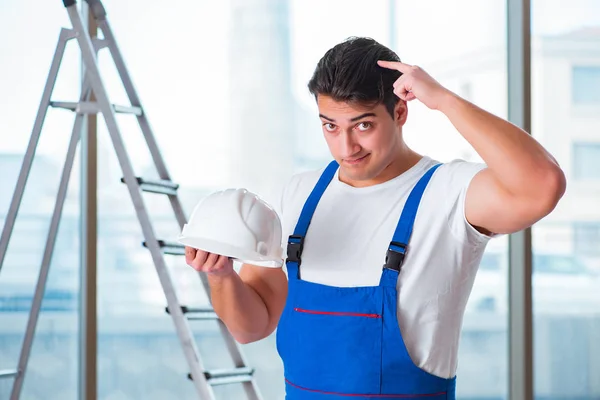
<point x="349" y="235"/>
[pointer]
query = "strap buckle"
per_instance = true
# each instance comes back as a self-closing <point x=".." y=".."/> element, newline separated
<point x="294" y="248"/>
<point x="395" y="256"/>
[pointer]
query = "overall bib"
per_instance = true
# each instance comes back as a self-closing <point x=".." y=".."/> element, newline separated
<point x="345" y="342"/>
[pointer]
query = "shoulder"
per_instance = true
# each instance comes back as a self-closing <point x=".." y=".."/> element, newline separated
<point x="450" y="184"/>
<point x="457" y="173"/>
<point x="452" y="178"/>
<point x="289" y="195"/>
<point x="298" y="187"/>
<point x="292" y="197"/>
<point x="449" y="178"/>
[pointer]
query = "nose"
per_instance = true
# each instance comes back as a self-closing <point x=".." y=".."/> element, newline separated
<point x="349" y="145"/>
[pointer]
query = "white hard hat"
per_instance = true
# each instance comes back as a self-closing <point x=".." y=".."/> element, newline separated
<point x="238" y="224"/>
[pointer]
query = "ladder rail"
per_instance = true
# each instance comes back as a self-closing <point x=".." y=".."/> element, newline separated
<point x="48" y="252"/>
<point x="145" y="126"/>
<point x="15" y="203"/>
<point x="181" y="324"/>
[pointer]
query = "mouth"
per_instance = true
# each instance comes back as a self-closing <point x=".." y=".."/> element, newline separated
<point x="356" y="161"/>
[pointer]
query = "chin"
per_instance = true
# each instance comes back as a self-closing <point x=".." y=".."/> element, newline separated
<point x="358" y="174"/>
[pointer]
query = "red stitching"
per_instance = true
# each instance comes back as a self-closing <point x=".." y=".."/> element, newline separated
<point x="384" y="396"/>
<point x="349" y="314"/>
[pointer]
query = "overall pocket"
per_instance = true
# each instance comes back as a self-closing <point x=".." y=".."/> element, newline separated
<point x="334" y="350"/>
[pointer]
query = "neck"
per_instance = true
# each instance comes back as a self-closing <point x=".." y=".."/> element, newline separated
<point x="404" y="160"/>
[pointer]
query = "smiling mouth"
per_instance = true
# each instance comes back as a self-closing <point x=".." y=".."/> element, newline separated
<point x="356" y="160"/>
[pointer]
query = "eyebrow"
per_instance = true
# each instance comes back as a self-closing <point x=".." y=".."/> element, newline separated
<point x="361" y="116"/>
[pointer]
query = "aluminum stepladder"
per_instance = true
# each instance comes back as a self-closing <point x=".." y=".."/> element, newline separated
<point x="203" y="380"/>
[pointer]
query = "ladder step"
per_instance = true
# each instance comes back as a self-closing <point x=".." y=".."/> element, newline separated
<point x="228" y="376"/>
<point x="128" y="110"/>
<point x="208" y="317"/>
<point x="8" y="373"/>
<point x="172" y="248"/>
<point x="91" y="107"/>
<point x="160" y="186"/>
<point x="198" y="314"/>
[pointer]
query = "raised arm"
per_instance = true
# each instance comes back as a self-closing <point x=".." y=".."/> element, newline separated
<point x="522" y="182"/>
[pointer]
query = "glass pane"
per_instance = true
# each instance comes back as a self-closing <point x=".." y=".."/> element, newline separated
<point x="586" y="161"/>
<point x="29" y="41"/>
<point x="566" y="261"/>
<point x="586" y="84"/>
<point x="586" y="236"/>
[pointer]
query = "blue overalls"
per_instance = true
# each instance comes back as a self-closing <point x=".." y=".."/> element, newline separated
<point x="345" y="342"/>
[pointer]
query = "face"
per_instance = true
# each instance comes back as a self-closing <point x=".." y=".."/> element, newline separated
<point x="365" y="141"/>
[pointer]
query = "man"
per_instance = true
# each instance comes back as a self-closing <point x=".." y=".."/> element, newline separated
<point x="384" y="243"/>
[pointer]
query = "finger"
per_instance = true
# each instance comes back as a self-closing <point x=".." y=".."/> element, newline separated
<point x="190" y="254"/>
<point x="218" y="265"/>
<point x="410" y="96"/>
<point x="401" y="92"/>
<point x="221" y="261"/>
<point x="211" y="260"/>
<point x="399" y="82"/>
<point x="397" y="65"/>
<point x="213" y="269"/>
<point x="406" y="96"/>
<point x="199" y="260"/>
<point x="402" y="87"/>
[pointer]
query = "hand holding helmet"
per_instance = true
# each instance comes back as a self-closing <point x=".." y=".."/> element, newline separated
<point x="211" y="263"/>
<point x="228" y="225"/>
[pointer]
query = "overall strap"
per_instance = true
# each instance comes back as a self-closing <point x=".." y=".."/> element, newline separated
<point x="397" y="248"/>
<point x="296" y="241"/>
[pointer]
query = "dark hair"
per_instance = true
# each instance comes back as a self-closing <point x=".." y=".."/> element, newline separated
<point x="349" y="72"/>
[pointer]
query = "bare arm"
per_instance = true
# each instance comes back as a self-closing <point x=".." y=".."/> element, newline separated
<point x="250" y="303"/>
<point x="523" y="182"/>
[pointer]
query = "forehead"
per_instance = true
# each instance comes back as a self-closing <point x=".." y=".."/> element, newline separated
<point x="332" y="108"/>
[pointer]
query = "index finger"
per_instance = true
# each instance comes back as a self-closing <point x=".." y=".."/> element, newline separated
<point x="190" y="254"/>
<point x="397" y="65"/>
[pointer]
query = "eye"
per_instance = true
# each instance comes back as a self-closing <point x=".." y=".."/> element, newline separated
<point x="364" y="126"/>
<point x="329" y="127"/>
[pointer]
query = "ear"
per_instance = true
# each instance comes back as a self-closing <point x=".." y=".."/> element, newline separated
<point x="400" y="113"/>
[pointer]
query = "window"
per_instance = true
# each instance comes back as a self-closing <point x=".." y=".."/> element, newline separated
<point x="586" y="84"/>
<point x="466" y="90"/>
<point x="558" y="264"/>
<point x="586" y="161"/>
<point x="587" y="238"/>
<point x="566" y="298"/>
<point x="490" y="262"/>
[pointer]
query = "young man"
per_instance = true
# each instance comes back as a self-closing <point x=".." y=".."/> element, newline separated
<point x="384" y="243"/>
